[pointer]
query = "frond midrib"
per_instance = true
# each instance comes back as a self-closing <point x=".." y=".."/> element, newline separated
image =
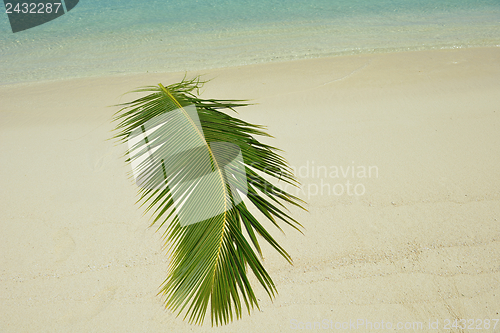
<point x="217" y="258"/>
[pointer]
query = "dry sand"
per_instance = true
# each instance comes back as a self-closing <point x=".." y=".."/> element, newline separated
<point x="421" y="244"/>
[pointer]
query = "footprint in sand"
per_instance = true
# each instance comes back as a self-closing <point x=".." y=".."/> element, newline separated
<point x="64" y="244"/>
<point x="98" y="157"/>
<point x="91" y="307"/>
<point x="96" y="160"/>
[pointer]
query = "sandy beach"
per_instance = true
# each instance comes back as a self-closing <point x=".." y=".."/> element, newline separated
<point x="398" y="155"/>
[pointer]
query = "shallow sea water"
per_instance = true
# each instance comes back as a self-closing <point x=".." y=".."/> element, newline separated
<point x="111" y="37"/>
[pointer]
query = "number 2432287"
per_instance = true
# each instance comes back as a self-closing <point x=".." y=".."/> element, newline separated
<point x="33" y="8"/>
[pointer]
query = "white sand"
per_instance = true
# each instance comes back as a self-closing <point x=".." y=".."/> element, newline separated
<point x="421" y="244"/>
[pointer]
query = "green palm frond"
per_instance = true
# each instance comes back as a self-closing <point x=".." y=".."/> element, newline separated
<point x="194" y="165"/>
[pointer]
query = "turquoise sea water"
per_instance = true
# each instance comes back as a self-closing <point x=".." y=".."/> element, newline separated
<point x="122" y="36"/>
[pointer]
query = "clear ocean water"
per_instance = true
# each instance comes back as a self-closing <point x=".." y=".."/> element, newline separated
<point x="108" y="37"/>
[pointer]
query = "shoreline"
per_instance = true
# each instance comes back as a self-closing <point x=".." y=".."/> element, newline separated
<point x="264" y="63"/>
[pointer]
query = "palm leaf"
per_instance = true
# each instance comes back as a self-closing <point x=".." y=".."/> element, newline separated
<point x="194" y="165"/>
